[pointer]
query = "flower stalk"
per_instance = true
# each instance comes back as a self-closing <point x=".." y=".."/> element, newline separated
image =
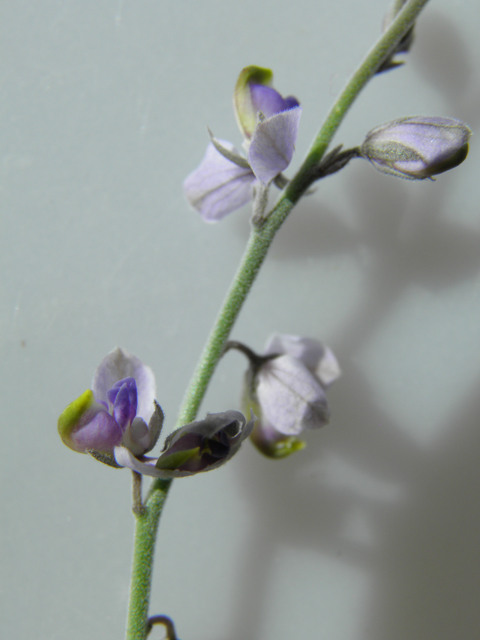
<point x="142" y="566"/>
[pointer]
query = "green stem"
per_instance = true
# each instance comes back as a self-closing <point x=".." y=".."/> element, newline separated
<point x="144" y="546"/>
<point x="373" y="60"/>
<point x="255" y="253"/>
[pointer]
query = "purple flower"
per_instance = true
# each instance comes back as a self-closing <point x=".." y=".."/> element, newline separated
<point x="417" y="147"/>
<point x="225" y="180"/>
<point x="286" y="389"/>
<point x="196" y="447"/>
<point x="119" y="410"/>
<point x="118" y="421"/>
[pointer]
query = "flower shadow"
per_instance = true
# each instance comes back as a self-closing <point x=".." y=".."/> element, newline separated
<point x="301" y="503"/>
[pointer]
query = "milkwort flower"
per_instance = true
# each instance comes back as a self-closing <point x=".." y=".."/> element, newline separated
<point x="119" y="411"/>
<point x="417" y="147"/>
<point x="118" y="421"/>
<point x="285" y="388"/>
<point x="225" y="180"/>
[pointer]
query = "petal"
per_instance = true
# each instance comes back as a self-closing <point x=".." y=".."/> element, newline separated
<point x="101" y="433"/>
<point x="308" y="350"/>
<point x="318" y="358"/>
<point x="123" y="396"/>
<point x="290" y="396"/>
<point x="143" y="465"/>
<point x="328" y="369"/>
<point x="268" y="101"/>
<point x="85" y="424"/>
<point x="136" y="437"/>
<point x="120" y="364"/>
<point x="218" y="187"/>
<point x="273" y="144"/>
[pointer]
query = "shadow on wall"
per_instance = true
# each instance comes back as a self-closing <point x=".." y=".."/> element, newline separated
<point x="424" y="564"/>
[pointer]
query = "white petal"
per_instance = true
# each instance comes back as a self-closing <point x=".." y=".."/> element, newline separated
<point x="291" y="397"/>
<point x="308" y="350"/>
<point x="145" y="466"/>
<point x="328" y="369"/>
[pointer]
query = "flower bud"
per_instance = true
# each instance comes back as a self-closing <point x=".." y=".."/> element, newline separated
<point x="417" y="147"/>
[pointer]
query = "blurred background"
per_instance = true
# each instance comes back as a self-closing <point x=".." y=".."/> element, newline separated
<point x="372" y="531"/>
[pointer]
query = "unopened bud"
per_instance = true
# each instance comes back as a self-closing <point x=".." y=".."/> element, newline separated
<point x="418" y="147"/>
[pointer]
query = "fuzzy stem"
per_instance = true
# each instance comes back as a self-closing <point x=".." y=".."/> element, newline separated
<point x="144" y="546"/>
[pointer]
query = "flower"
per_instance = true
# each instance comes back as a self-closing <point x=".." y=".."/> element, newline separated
<point x="118" y="421"/>
<point x="119" y="410"/>
<point x="225" y="180"/>
<point x="418" y="147"/>
<point x="286" y="388"/>
<point x="196" y="447"/>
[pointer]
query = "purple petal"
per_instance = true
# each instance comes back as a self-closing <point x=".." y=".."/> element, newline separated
<point x="123" y="397"/>
<point x="101" y="433"/>
<point x="290" y="396"/>
<point x="269" y="101"/>
<point x="120" y="364"/>
<point x="273" y="143"/>
<point x="218" y="186"/>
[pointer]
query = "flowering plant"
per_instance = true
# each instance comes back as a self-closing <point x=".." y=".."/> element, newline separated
<point x="119" y="421"/>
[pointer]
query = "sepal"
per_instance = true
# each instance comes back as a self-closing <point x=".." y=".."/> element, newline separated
<point x="243" y="101"/>
<point x="104" y="457"/>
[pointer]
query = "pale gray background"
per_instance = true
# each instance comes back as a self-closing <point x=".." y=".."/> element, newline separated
<point x="373" y="531"/>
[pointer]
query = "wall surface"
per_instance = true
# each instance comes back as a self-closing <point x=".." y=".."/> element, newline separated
<point x="372" y="531"/>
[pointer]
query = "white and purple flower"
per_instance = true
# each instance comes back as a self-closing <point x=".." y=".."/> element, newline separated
<point x="119" y="411"/>
<point x="286" y="388"/>
<point x="225" y="180"/>
<point x="118" y="421"/>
